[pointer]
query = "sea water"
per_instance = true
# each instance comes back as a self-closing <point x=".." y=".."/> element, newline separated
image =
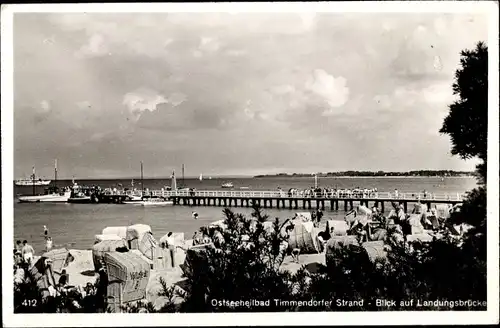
<point x="75" y="225"/>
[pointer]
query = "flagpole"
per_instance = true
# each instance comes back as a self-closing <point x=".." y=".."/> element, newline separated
<point x="142" y="182"/>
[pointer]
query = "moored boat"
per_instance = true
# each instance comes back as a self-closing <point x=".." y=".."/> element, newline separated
<point x="32" y="182"/>
<point x="133" y="199"/>
<point x="80" y="199"/>
<point x="156" y="202"/>
<point x="52" y="195"/>
<point x="227" y="185"/>
<point x="82" y="195"/>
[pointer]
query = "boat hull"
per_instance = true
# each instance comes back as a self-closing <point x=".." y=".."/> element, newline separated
<point x="44" y="199"/>
<point x="28" y="183"/>
<point x="80" y="200"/>
<point x="127" y="202"/>
<point x="149" y="204"/>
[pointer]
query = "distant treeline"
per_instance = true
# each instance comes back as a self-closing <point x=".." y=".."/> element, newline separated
<point x="421" y="173"/>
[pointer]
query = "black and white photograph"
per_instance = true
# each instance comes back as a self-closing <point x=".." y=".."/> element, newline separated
<point x="331" y="159"/>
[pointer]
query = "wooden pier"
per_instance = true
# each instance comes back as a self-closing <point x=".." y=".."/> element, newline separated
<point x="282" y="200"/>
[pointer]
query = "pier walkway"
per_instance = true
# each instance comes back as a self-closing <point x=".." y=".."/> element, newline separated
<point x="281" y="199"/>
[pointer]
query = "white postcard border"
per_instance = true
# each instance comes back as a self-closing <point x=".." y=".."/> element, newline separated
<point x="223" y="319"/>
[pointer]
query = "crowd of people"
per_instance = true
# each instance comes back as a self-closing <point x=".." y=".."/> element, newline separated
<point x="24" y="261"/>
<point x="348" y="193"/>
<point x="372" y="224"/>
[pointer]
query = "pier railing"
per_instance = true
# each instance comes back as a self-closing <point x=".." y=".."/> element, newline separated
<point x="322" y="195"/>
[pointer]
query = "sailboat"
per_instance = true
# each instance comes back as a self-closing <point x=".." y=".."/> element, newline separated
<point x="201" y="177"/>
<point x="134" y="198"/>
<point x="32" y="181"/>
<point x="52" y="195"/>
<point x="151" y="201"/>
<point x="182" y="186"/>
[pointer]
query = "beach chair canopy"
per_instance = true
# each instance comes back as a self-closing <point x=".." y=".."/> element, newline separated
<point x="99" y="238"/>
<point x="119" y="231"/>
<point x="136" y="231"/>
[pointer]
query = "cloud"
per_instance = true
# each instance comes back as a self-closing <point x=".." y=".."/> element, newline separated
<point x="142" y="100"/>
<point x="308" y="20"/>
<point x="283" y="89"/>
<point x="45" y="106"/>
<point x="333" y="90"/>
<point x="235" y="82"/>
<point x="441" y="93"/>
<point x="84" y="105"/>
<point x="207" y="45"/>
<point x="95" y="47"/>
<point x="176" y="99"/>
<point x="434" y="96"/>
<point x="235" y="52"/>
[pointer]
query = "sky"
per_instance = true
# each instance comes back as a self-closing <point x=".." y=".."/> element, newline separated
<point x="235" y="94"/>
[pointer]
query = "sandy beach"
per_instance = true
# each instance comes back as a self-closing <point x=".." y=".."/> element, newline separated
<point x="81" y="271"/>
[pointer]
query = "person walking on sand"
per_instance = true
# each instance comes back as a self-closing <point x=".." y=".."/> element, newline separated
<point x="45" y="231"/>
<point x="28" y="252"/>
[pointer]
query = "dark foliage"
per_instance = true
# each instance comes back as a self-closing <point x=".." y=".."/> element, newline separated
<point x="238" y="270"/>
<point x="467" y="121"/>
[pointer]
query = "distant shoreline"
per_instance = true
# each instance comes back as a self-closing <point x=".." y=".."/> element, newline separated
<point x="363" y="177"/>
<point x="275" y="176"/>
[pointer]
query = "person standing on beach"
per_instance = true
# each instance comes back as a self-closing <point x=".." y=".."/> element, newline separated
<point x="45" y="231"/>
<point x="195" y="215"/>
<point x="19" y="247"/>
<point x="171" y="247"/>
<point x="48" y="244"/>
<point x="28" y="252"/>
<point x="319" y="215"/>
<point x="102" y="290"/>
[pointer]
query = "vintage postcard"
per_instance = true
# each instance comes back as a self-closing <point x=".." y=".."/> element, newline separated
<point x="250" y="163"/>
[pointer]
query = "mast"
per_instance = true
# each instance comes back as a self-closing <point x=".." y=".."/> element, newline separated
<point x="183" y="185"/>
<point x="55" y="174"/>
<point x="142" y="182"/>
<point x="173" y="184"/>
<point x="33" y="180"/>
